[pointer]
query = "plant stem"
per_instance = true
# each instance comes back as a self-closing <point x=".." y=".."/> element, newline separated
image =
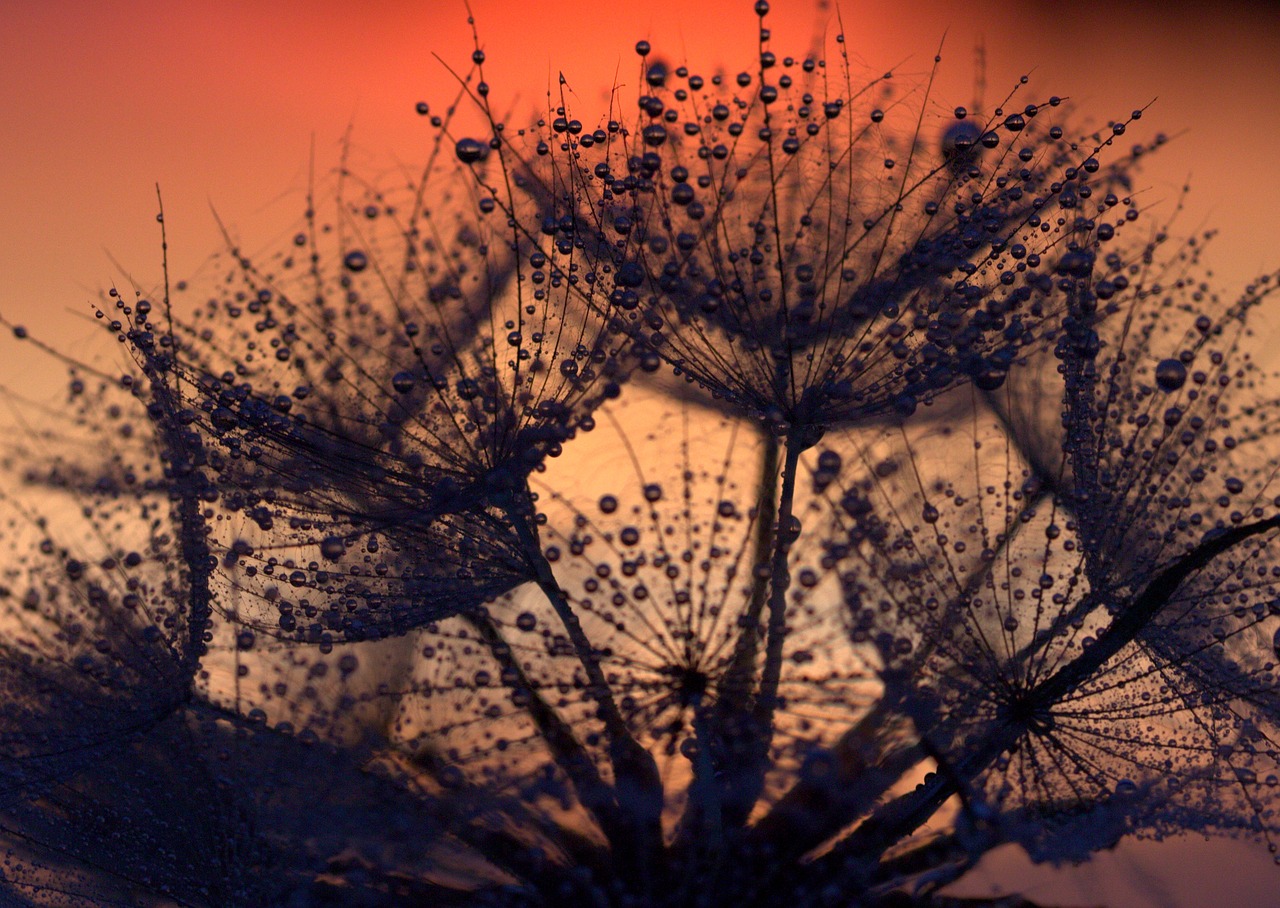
<point x="752" y="735"/>
<point x="1133" y="619"/>
<point x="780" y="583"/>
<point x="739" y="678"/>
<point x="637" y="784"/>
<point x="182" y="451"/>
<point x="566" y="750"/>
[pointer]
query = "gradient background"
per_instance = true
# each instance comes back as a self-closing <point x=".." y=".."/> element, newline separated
<point x="220" y="103"/>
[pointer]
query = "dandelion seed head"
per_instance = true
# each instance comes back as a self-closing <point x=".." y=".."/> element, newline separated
<point x="740" y="482"/>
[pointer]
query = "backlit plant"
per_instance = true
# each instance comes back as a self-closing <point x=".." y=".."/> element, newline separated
<point x="407" y="569"/>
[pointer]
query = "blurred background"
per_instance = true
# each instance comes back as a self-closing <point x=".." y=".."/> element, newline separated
<point x="223" y="104"/>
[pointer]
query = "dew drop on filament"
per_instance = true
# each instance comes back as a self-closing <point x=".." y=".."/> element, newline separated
<point x="332" y="548"/>
<point x="1170" y="375"/>
<point x="469" y="151"/>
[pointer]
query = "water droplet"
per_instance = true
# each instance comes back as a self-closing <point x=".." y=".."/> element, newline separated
<point x="355" y="260"/>
<point x="223" y="420"/>
<point x="989" y="377"/>
<point x="1170" y="374"/>
<point x="1015" y="122"/>
<point x="403" y="382"/>
<point x="654" y="135"/>
<point x="469" y="150"/>
<point x="959" y="139"/>
<point x="608" y="504"/>
<point x="333" y="547"/>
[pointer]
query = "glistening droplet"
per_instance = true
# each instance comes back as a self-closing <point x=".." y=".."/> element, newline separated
<point x="469" y="151"/>
<point x="1170" y="375"/>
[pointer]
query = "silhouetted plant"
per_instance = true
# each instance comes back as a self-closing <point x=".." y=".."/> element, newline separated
<point x="769" y="246"/>
<point x="409" y="596"/>
<point x="1099" y="667"/>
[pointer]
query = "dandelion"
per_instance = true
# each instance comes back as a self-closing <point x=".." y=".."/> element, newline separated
<point x="662" y="581"/>
<point x="391" y="587"/>
<point x="765" y="247"/>
<point x="385" y="396"/>
<point x="132" y="775"/>
<point x="104" y="632"/>
<point x="1100" y="668"/>
<point x="370" y="436"/>
<point x="779" y="245"/>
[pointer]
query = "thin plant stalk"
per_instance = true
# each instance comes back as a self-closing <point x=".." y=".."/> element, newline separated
<point x="636" y="778"/>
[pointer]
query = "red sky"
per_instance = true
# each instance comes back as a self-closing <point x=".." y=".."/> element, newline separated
<point x="220" y="103"/>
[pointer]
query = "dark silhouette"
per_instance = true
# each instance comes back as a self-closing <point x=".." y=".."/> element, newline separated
<point x="396" y="578"/>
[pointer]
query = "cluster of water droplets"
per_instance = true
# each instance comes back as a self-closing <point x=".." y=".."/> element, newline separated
<point x="395" y="556"/>
<point x="1080" y="634"/>
<point x="802" y="246"/>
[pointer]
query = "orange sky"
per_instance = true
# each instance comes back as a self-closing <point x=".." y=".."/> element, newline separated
<point x="219" y="103"/>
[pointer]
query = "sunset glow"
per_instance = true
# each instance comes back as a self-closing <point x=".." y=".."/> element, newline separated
<point x="235" y="109"/>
